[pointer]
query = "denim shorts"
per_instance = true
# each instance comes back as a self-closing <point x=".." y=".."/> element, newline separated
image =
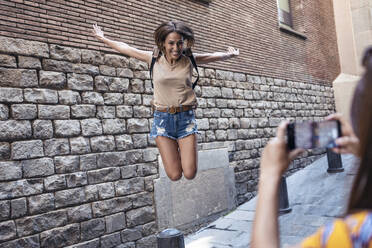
<point x="174" y="126"/>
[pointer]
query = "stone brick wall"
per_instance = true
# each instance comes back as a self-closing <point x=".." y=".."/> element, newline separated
<point x="74" y="159"/>
<point x="76" y="163"/>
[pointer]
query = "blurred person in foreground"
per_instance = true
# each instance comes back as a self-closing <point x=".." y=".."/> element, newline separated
<point x="355" y="229"/>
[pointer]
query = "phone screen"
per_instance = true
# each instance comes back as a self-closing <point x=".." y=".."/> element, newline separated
<point x="312" y="134"/>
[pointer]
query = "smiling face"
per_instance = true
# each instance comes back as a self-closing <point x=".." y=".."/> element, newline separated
<point x="173" y="46"/>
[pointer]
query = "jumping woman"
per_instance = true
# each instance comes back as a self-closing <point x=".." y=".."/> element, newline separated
<point x="174" y="127"/>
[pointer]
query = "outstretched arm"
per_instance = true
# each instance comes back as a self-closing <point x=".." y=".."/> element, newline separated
<point x="217" y="56"/>
<point x="122" y="47"/>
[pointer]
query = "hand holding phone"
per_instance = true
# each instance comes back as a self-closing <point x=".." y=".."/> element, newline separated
<point x="310" y="134"/>
<point x="349" y="142"/>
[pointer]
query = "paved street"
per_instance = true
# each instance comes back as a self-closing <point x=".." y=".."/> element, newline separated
<point x="315" y="196"/>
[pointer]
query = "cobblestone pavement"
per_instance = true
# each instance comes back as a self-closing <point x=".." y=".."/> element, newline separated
<point x="315" y="196"/>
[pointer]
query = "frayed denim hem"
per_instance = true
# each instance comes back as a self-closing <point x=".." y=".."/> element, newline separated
<point x="185" y="135"/>
<point x="173" y="138"/>
<point x="164" y="135"/>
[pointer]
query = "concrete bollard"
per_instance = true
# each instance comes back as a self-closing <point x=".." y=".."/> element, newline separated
<point x="283" y="197"/>
<point x="170" y="238"/>
<point x="334" y="162"/>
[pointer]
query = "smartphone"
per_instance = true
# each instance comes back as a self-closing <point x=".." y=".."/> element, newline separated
<point x="311" y="134"/>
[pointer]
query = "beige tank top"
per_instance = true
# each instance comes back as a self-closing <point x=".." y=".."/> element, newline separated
<point x="172" y="83"/>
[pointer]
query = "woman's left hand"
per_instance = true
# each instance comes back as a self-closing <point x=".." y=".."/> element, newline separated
<point x="233" y="51"/>
<point x="275" y="158"/>
<point x="348" y="142"/>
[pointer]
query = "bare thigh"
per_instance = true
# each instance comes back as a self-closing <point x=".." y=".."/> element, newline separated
<point x="168" y="149"/>
<point x="189" y="155"/>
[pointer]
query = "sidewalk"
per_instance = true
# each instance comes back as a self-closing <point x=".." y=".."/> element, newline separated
<point x="315" y="196"/>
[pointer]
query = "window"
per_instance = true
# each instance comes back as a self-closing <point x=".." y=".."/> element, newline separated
<point x="289" y="21"/>
<point x="284" y="10"/>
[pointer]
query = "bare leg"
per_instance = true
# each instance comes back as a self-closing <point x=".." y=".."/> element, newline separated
<point x="168" y="149"/>
<point x="189" y="155"/>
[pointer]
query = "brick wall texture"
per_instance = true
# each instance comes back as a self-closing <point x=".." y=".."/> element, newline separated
<point x="76" y="164"/>
<point x="249" y="25"/>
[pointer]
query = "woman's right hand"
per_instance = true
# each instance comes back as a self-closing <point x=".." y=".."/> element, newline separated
<point x="98" y="32"/>
<point x="348" y="142"/>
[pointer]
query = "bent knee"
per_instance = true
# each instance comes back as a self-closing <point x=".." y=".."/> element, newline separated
<point x="189" y="174"/>
<point x="175" y="176"/>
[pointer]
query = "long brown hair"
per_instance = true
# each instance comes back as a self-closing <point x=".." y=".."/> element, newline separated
<point x="166" y="28"/>
<point x="361" y="193"/>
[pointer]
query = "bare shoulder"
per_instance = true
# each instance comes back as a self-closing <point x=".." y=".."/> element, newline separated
<point x="201" y="58"/>
<point x="141" y="55"/>
<point x="147" y="55"/>
<point x="196" y="55"/>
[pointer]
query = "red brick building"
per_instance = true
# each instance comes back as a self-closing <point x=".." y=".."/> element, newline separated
<point x="249" y="25"/>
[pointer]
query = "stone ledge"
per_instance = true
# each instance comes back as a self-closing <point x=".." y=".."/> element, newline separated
<point x="290" y="30"/>
<point x="187" y="203"/>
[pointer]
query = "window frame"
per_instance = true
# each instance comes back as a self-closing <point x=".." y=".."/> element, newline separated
<point x="287" y="27"/>
<point x="285" y="17"/>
